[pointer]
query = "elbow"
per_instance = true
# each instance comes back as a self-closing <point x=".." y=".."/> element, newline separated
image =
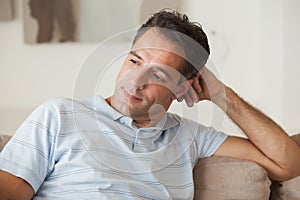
<point x="289" y="163"/>
<point x="291" y="173"/>
<point x="285" y="174"/>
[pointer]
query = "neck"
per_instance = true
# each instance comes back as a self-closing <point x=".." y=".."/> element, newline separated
<point x="153" y="117"/>
<point x="143" y="123"/>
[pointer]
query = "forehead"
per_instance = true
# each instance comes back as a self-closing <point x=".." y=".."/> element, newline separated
<point x="154" y="47"/>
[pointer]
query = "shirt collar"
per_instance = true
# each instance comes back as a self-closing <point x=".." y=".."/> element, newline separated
<point x="99" y="104"/>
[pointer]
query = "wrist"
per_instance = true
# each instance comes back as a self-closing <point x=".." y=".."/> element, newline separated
<point x="222" y="98"/>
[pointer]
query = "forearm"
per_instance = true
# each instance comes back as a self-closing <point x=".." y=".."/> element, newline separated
<point x="12" y="187"/>
<point x="263" y="132"/>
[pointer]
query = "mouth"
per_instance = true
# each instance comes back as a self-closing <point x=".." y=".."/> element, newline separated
<point x="131" y="97"/>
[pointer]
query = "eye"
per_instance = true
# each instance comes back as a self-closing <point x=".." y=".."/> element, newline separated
<point x="135" y="62"/>
<point x="158" y="77"/>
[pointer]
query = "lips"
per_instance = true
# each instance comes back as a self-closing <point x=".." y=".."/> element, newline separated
<point x="131" y="97"/>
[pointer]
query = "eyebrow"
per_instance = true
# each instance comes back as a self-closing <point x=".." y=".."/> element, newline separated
<point x="136" y="55"/>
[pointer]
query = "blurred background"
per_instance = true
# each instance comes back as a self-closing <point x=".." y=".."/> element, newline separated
<point x="255" y="49"/>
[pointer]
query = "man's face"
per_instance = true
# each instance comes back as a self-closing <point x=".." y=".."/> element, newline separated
<point x="148" y="80"/>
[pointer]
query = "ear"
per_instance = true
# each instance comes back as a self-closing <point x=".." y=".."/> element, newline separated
<point x="182" y="89"/>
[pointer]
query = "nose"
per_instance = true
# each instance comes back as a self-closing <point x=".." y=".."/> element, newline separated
<point x="139" y="78"/>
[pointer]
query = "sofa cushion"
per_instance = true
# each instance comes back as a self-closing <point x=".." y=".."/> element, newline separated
<point x="287" y="190"/>
<point x="229" y="178"/>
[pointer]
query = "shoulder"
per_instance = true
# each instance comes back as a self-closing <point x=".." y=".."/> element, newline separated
<point x="58" y="103"/>
<point x="63" y="104"/>
<point x="192" y="126"/>
<point x="56" y="110"/>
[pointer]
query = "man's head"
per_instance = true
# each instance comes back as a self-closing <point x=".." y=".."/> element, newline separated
<point x="156" y="69"/>
<point x="183" y="33"/>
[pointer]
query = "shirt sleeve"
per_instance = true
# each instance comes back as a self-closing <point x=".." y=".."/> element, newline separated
<point x="29" y="154"/>
<point x="209" y="140"/>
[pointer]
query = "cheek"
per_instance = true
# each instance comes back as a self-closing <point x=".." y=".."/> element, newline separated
<point x="164" y="93"/>
<point x="124" y="70"/>
<point x="118" y="78"/>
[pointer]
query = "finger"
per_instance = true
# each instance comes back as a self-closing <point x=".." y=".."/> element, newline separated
<point x="193" y="95"/>
<point x="192" y="92"/>
<point x="196" y="85"/>
<point x="180" y="99"/>
<point x="189" y="101"/>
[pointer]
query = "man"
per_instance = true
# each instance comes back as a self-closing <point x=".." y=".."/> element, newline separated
<point x="127" y="146"/>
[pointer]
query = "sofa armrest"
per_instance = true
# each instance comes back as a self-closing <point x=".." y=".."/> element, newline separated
<point x="3" y="140"/>
<point x="229" y="178"/>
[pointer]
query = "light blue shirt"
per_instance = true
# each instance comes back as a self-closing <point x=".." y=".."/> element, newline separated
<point x="87" y="150"/>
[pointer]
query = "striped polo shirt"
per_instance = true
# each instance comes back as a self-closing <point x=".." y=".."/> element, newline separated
<point x="69" y="149"/>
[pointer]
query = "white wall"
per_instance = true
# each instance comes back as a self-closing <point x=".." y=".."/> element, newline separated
<point x="291" y="66"/>
<point x="92" y="10"/>
<point x="254" y="48"/>
<point x="31" y="74"/>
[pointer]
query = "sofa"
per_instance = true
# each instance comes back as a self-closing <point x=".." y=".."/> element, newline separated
<point x="222" y="178"/>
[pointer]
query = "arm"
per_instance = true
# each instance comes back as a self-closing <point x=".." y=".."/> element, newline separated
<point x="12" y="187"/>
<point x="28" y="156"/>
<point x="265" y="134"/>
<point x="268" y="143"/>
